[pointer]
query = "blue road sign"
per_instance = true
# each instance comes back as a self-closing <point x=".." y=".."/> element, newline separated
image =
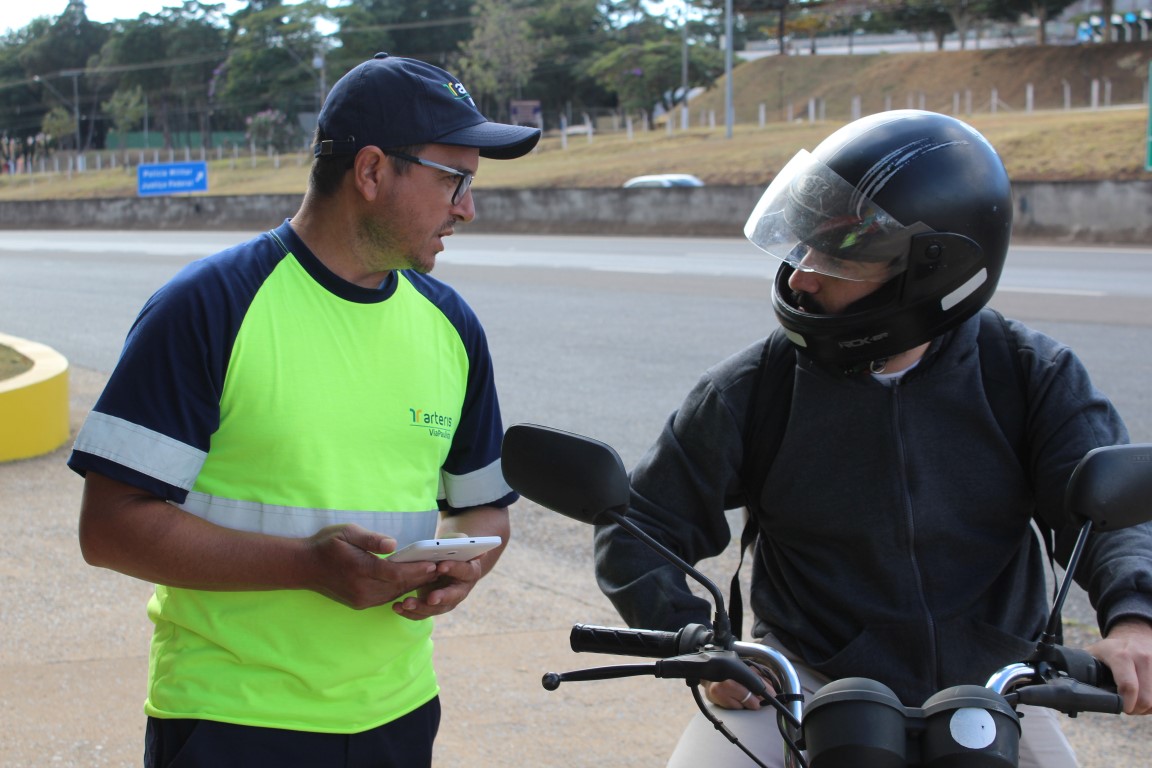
<point x="171" y="178"/>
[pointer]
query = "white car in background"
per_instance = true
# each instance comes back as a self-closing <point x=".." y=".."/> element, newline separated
<point x="664" y="180"/>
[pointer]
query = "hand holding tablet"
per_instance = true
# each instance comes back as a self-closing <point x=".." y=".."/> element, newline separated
<point x="435" y="550"/>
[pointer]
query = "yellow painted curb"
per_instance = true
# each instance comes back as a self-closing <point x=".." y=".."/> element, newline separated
<point x="33" y="404"/>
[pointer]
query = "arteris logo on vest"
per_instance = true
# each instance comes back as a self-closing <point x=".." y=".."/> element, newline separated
<point x="436" y="424"/>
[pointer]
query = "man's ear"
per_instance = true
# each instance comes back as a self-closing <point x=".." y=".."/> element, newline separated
<point x="371" y="172"/>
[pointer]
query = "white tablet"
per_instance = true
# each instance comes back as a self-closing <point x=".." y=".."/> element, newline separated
<point x="435" y="550"/>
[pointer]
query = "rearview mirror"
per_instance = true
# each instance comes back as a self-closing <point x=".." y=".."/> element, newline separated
<point x="1112" y="487"/>
<point x="571" y="474"/>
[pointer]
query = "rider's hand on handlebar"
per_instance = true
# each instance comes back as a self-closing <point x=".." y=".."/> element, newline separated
<point x="1127" y="650"/>
<point x="729" y="694"/>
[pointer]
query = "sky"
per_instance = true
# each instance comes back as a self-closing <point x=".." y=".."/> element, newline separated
<point x="15" y="14"/>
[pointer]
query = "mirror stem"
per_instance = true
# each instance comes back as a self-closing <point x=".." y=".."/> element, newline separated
<point x="1054" y="619"/>
<point x="721" y="624"/>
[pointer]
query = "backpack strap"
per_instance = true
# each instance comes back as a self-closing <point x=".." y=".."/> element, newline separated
<point x="1004" y="381"/>
<point x="764" y="427"/>
<point x="1005" y="384"/>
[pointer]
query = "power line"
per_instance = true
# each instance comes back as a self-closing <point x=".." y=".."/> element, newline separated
<point x="411" y="25"/>
<point x="114" y="69"/>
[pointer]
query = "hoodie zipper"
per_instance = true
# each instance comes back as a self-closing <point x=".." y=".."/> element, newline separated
<point x="910" y="528"/>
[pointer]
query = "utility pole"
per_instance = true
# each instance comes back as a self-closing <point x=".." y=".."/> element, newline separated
<point x="684" y="69"/>
<point x="74" y="104"/>
<point x="75" y="75"/>
<point x="729" y="116"/>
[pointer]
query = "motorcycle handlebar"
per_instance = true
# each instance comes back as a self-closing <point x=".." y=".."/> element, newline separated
<point x="647" y="643"/>
<point x="1085" y="684"/>
<point x="1077" y="664"/>
<point x="1070" y="681"/>
<point x="1058" y="678"/>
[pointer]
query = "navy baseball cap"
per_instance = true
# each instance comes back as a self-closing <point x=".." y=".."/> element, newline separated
<point x="391" y="101"/>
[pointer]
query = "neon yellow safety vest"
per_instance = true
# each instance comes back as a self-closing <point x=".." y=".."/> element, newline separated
<point x="332" y="404"/>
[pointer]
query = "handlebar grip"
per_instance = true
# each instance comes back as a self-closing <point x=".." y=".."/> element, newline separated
<point x="649" y="643"/>
<point x="1103" y="677"/>
<point x="1082" y="666"/>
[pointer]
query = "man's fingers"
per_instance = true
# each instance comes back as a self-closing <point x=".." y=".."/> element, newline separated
<point x="731" y="695"/>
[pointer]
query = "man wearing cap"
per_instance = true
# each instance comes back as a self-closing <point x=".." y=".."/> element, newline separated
<point x="285" y="411"/>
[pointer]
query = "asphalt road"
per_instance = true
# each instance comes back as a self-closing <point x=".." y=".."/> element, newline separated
<point x="600" y="336"/>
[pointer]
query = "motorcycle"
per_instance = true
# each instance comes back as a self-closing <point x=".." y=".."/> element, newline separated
<point x="852" y="722"/>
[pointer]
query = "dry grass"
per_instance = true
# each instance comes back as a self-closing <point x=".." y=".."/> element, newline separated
<point x="1036" y="147"/>
<point x="1049" y="143"/>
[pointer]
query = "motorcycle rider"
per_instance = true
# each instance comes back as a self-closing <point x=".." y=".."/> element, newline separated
<point x="895" y="533"/>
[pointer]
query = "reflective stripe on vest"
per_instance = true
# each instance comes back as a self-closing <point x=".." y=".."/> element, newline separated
<point x="278" y="520"/>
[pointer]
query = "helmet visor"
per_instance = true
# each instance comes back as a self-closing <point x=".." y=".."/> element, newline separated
<point x="816" y="221"/>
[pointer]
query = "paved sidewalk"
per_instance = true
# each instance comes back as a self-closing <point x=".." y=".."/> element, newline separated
<point x="73" y="650"/>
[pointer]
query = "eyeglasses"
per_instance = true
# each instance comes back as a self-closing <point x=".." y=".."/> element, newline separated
<point x="462" y="186"/>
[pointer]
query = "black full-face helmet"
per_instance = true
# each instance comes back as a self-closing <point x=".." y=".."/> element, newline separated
<point x="916" y="201"/>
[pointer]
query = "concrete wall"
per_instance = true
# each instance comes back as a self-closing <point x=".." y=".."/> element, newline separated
<point x="1085" y="212"/>
<point x="1080" y="212"/>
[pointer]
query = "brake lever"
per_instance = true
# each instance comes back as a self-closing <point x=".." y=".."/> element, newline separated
<point x="714" y="665"/>
<point x="1068" y="696"/>
<point x="693" y="667"/>
<point x="551" y="680"/>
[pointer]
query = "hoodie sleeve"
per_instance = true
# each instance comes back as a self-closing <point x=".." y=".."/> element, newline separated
<point x="680" y="490"/>
<point x="1069" y="417"/>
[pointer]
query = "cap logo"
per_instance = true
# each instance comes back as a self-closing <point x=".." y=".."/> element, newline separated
<point x="458" y="91"/>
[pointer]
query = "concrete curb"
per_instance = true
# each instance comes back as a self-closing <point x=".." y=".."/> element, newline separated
<point x="34" y="404"/>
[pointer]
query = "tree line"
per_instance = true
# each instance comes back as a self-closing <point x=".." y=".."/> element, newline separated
<point x="262" y="72"/>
